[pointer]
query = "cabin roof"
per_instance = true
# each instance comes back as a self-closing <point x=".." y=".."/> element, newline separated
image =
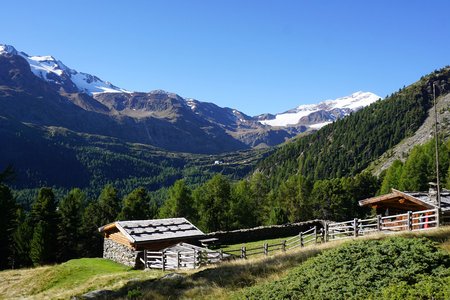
<point x="415" y="199"/>
<point x="142" y="231"/>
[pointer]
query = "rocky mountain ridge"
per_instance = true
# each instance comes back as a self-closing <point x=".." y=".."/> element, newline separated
<point x="83" y="102"/>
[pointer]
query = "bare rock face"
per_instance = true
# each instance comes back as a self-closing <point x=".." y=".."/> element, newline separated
<point x="421" y="136"/>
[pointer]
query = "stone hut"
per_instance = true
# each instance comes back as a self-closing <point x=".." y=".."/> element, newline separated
<point x="125" y="241"/>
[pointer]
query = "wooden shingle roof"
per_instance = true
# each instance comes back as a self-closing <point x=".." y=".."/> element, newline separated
<point x="142" y="231"/>
<point x="415" y="198"/>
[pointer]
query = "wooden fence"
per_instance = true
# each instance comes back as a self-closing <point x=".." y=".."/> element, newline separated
<point x="192" y="257"/>
<point x="310" y="236"/>
<point x="171" y="260"/>
<point x="410" y="221"/>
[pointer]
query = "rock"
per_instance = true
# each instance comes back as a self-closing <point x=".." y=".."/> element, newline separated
<point x="172" y="276"/>
<point x="97" y="294"/>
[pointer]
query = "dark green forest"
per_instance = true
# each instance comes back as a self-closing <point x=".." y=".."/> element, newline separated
<point x="347" y="146"/>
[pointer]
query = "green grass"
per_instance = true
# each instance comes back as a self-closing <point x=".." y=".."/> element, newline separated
<point x="74" y="277"/>
<point x="223" y="281"/>
<point x="226" y="248"/>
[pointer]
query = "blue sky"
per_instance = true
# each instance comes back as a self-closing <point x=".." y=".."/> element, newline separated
<point x="256" y="56"/>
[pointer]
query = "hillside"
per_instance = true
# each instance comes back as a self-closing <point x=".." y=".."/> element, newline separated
<point x="422" y="135"/>
<point x="41" y="155"/>
<point x="236" y="279"/>
<point x="348" y="146"/>
<point x="43" y="91"/>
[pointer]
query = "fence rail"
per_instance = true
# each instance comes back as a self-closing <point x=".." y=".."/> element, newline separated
<point x="170" y="260"/>
<point x="410" y="221"/>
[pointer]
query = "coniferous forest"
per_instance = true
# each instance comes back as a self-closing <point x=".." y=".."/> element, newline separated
<point x="321" y="175"/>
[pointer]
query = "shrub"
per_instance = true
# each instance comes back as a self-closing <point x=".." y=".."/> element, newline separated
<point x="392" y="268"/>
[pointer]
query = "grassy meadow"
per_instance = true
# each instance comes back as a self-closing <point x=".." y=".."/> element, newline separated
<point x="231" y="280"/>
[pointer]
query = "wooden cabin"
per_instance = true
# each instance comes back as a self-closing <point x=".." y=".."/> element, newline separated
<point x="398" y="202"/>
<point x="125" y="241"/>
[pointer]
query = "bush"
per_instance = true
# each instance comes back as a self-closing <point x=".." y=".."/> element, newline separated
<point x="393" y="268"/>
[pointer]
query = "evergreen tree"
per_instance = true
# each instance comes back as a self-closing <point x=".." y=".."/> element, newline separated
<point x="91" y="239"/>
<point x="39" y="252"/>
<point x="70" y="210"/>
<point x="243" y="208"/>
<point x="22" y="237"/>
<point x="416" y="171"/>
<point x="212" y="200"/>
<point x="44" y="218"/>
<point x="136" y="205"/>
<point x="392" y="177"/>
<point x="109" y="203"/>
<point x="179" y="202"/>
<point x="293" y="196"/>
<point x="8" y="225"/>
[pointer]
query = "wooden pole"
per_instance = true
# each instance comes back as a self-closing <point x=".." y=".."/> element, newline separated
<point x="145" y="259"/>
<point x="178" y="260"/>
<point x="266" y="249"/>
<point x="355" y="227"/>
<point x="301" y="239"/>
<point x="195" y="258"/>
<point x="409" y="220"/>
<point x="315" y="234"/>
<point x="379" y="225"/>
<point x="283" y="246"/>
<point x="163" y="256"/>
<point x="438" y="188"/>
<point x="438" y="217"/>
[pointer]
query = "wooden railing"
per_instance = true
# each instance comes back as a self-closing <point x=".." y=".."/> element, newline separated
<point x="301" y="240"/>
<point x="170" y="260"/>
<point x="410" y="221"/>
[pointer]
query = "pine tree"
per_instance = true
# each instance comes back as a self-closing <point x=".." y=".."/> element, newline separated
<point x="39" y="252"/>
<point x="22" y="237"/>
<point x="109" y="203"/>
<point x="179" y="202"/>
<point x="136" y="205"/>
<point x="212" y="200"/>
<point x="8" y="225"/>
<point x="91" y="239"/>
<point x="392" y="177"/>
<point x="44" y="218"/>
<point x="70" y="210"/>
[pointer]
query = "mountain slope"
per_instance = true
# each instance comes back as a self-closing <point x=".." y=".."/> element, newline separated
<point x="60" y="96"/>
<point x="349" y="145"/>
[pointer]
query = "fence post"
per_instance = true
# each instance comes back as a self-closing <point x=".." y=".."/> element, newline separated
<point x="325" y="233"/>
<point x="300" y="235"/>
<point x="379" y="224"/>
<point x="243" y="252"/>
<point x="266" y="249"/>
<point x="145" y="259"/>
<point x="315" y="234"/>
<point x="355" y="227"/>
<point x="438" y="217"/>
<point x="163" y="256"/>
<point x="178" y="260"/>
<point x="221" y="254"/>
<point x="409" y="220"/>
<point x="283" y="246"/>
<point x="195" y="258"/>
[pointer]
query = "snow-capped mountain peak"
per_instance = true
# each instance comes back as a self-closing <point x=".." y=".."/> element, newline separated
<point x="323" y="113"/>
<point x="52" y="70"/>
